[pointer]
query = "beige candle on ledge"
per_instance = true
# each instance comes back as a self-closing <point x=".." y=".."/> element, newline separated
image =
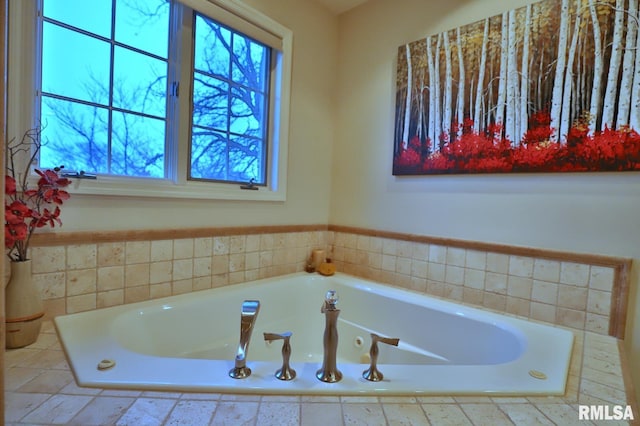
<point x="317" y="257"/>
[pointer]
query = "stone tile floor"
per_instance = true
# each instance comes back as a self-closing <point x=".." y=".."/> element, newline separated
<point x="40" y="389"/>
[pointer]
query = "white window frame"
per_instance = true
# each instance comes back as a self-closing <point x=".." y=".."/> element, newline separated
<point x="22" y="111"/>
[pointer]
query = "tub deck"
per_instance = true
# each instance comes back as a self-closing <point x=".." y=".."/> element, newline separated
<point x="40" y="389"/>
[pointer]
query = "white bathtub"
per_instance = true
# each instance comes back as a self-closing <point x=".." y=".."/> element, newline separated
<point x="188" y="342"/>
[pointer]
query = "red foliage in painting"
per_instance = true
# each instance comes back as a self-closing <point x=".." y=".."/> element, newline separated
<point x="472" y="152"/>
<point x="410" y="157"/>
<point x="611" y="150"/>
<point x="535" y="157"/>
<point x="539" y="129"/>
<point x="407" y="158"/>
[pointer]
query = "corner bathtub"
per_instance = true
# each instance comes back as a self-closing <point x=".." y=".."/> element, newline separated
<point x="188" y="342"/>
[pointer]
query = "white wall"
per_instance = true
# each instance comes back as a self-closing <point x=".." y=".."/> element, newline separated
<point x="310" y="141"/>
<point x="591" y="213"/>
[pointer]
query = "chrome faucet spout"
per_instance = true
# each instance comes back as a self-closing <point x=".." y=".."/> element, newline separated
<point x="248" y="316"/>
<point x="329" y="372"/>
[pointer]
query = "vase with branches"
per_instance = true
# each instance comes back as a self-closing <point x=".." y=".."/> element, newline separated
<point x="30" y="203"/>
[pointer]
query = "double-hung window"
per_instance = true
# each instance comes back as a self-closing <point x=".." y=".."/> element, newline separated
<point x="184" y="98"/>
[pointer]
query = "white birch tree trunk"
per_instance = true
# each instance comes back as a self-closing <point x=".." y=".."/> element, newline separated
<point x="524" y="76"/>
<point x="565" y="121"/>
<point x="419" y="125"/>
<point x="480" y="88"/>
<point x="438" y="127"/>
<point x="634" y="113"/>
<point x="502" y="84"/>
<point x="512" y="83"/>
<point x="431" y="130"/>
<point x="596" y="88"/>
<point x="584" y="99"/>
<point x="489" y="106"/>
<point x="611" y="91"/>
<point x="472" y="84"/>
<point x="627" y="64"/>
<point x="446" y="109"/>
<point x="558" y="81"/>
<point x="540" y="73"/>
<point x="407" y="107"/>
<point x="461" y="84"/>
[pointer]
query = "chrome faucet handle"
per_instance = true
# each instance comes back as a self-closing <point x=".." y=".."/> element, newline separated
<point x="286" y="372"/>
<point x="330" y="301"/>
<point x="372" y="373"/>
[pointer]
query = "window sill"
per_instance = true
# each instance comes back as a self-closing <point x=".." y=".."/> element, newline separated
<point x="140" y="187"/>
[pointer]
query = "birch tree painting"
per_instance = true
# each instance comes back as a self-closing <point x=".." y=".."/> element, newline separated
<point x="550" y="87"/>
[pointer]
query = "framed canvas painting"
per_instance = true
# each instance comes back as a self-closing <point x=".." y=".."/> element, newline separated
<point x="550" y="87"/>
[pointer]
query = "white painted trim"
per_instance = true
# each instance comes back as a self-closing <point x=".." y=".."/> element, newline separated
<point x="22" y="112"/>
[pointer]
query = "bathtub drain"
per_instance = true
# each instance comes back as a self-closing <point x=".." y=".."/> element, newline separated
<point x="537" y="374"/>
<point x="106" y="364"/>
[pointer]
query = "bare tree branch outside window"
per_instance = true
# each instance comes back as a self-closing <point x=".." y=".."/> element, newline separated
<point x="104" y="102"/>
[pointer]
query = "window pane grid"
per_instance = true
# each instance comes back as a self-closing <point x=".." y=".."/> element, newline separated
<point x="108" y="97"/>
<point x="128" y="85"/>
<point x="101" y="38"/>
<point x="230" y="96"/>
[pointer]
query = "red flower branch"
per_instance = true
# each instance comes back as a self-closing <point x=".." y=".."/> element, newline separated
<point x="27" y="209"/>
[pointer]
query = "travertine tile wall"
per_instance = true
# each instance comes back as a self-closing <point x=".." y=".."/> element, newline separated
<point x="76" y="278"/>
<point x="40" y="388"/>
<point x="565" y="293"/>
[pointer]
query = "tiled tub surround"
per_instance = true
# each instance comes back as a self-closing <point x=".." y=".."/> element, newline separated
<point x="115" y="270"/>
<point x="40" y="388"/>
<point x="86" y="271"/>
<point x="578" y="291"/>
